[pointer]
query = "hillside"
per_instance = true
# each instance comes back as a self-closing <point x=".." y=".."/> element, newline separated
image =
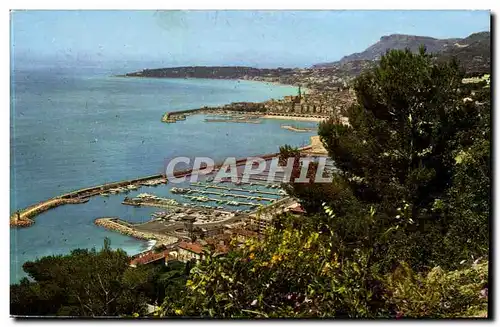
<point x="473" y="51"/>
<point x="221" y="72"/>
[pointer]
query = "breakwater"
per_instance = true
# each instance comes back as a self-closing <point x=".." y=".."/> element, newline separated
<point x="172" y="117"/>
<point x="96" y="190"/>
<point x="23" y="218"/>
<point x="125" y="228"/>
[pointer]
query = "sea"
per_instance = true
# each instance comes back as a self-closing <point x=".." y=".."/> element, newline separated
<point x="78" y="127"/>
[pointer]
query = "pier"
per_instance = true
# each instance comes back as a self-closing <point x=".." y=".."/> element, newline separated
<point x="230" y="195"/>
<point x="125" y="228"/>
<point x="237" y="189"/>
<point x="24" y="217"/>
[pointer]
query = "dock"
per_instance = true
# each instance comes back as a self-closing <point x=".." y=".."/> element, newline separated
<point x="24" y="217"/>
<point x="125" y="228"/>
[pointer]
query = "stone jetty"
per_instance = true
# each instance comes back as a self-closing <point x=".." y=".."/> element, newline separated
<point x="22" y="218"/>
<point x="125" y="228"/>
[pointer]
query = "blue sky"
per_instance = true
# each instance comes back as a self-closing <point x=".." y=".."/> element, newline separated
<point x="253" y="38"/>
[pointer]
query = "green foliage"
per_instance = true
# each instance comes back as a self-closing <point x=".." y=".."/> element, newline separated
<point x="293" y="273"/>
<point x="438" y="294"/>
<point x="296" y="272"/>
<point x="412" y="192"/>
<point x="417" y="135"/>
<point x="87" y="283"/>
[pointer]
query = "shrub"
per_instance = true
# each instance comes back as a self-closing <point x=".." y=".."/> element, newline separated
<point x="438" y="294"/>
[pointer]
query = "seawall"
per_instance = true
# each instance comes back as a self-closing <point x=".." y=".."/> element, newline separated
<point x="125" y="228"/>
<point x="22" y="218"/>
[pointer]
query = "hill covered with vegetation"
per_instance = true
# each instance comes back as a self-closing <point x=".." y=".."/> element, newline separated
<point x="473" y="52"/>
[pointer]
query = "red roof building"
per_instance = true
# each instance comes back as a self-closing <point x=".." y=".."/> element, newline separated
<point x="148" y="257"/>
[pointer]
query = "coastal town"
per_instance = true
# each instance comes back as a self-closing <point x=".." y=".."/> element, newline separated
<point x="209" y="214"/>
<point x="313" y="105"/>
<point x="212" y="217"/>
<point x="250" y="164"/>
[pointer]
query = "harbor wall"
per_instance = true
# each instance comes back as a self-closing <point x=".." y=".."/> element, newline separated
<point x="22" y="218"/>
<point x="125" y="228"/>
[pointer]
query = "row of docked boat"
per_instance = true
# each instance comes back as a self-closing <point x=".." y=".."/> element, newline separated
<point x="121" y="189"/>
<point x="155" y="199"/>
<point x="154" y="182"/>
<point x="220" y="201"/>
<point x="180" y="190"/>
<point x="255" y="182"/>
<point x="240" y="189"/>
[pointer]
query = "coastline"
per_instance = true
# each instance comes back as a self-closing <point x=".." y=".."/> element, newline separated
<point x="227" y="79"/>
<point x="30" y="217"/>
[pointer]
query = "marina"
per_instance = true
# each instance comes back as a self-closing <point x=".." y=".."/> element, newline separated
<point x="23" y="218"/>
<point x="65" y="187"/>
<point x="205" y="185"/>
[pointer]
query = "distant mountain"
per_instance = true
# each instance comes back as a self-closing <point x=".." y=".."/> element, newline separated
<point x="473" y="51"/>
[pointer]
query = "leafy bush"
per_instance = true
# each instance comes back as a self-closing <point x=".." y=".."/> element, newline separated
<point x="439" y="294"/>
<point x="291" y="273"/>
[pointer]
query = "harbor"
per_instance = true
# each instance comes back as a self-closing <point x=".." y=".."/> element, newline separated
<point x="205" y="207"/>
<point x="174" y="213"/>
<point x="24" y="217"/>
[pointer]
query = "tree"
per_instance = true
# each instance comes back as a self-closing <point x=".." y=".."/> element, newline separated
<point x="412" y="188"/>
<point x="82" y="283"/>
<point x="397" y="157"/>
<point x="290" y="273"/>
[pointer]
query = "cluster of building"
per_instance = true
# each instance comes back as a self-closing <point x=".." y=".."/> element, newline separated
<point x="328" y="92"/>
<point x="322" y="78"/>
<point x="216" y="240"/>
<point x="314" y="103"/>
<point x="185" y="251"/>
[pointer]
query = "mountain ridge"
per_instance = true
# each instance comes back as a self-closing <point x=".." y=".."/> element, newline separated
<point x="450" y="47"/>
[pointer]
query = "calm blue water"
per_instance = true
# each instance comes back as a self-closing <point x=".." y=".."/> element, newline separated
<point x="74" y="129"/>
